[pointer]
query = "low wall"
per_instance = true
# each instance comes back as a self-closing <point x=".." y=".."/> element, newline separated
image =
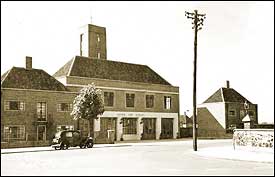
<point x="186" y="132"/>
<point x="254" y="138"/>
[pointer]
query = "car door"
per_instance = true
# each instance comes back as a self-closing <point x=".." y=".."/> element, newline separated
<point x="76" y="138"/>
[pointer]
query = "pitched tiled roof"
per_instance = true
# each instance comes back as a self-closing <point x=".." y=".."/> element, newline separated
<point x="4" y="75"/>
<point x="30" y="79"/>
<point x="226" y="95"/>
<point x="112" y="70"/>
<point x="63" y="71"/>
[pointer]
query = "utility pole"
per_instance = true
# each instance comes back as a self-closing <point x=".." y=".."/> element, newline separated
<point x="198" y="23"/>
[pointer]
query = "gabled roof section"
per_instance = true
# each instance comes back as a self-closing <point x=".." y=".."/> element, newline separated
<point x="216" y="97"/>
<point x="4" y="75"/>
<point x="231" y="95"/>
<point x="111" y="70"/>
<point x="226" y="95"/>
<point x="37" y="79"/>
<point x="64" y="70"/>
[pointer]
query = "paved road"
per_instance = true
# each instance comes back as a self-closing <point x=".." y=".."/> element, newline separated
<point x="159" y="158"/>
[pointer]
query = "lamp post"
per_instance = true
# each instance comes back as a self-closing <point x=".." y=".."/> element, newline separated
<point x="198" y="23"/>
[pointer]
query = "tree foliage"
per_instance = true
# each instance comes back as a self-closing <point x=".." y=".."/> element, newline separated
<point x="88" y="104"/>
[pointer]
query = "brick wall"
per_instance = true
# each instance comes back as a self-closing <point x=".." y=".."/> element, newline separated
<point x="28" y="117"/>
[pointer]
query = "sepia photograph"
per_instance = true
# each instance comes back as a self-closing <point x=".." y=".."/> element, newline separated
<point x="137" y="88"/>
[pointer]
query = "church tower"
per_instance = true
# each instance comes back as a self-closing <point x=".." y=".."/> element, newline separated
<point x="93" y="42"/>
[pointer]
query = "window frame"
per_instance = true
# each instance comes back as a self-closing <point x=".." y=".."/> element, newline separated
<point x="46" y="111"/>
<point x="230" y="111"/>
<point x="129" y="128"/>
<point x="153" y="103"/>
<point x="7" y="105"/>
<point x="113" y="100"/>
<point x="59" y="107"/>
<point x="134" y="102"/>
<point x="165" y="102"/>
<point x="17" y="138"/>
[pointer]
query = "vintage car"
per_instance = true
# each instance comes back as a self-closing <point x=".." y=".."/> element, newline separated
<point x="71" y="138"/>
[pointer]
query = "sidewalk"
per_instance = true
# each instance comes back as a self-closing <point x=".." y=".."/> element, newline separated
<point x="226" y="152"/>
<point x="49" y="148"/>
<point x="116" y="144"/>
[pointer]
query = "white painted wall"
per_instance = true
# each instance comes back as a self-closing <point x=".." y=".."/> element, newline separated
<point x="217" y="110"/>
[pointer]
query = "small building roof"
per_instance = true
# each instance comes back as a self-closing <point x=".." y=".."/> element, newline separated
<point x="81" y="66"/>
<point x="246" y="118"/>
<point x="36" y="79"/>
<point x="226" y="95"/>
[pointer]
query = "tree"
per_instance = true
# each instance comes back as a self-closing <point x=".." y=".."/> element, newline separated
<point x="88" y="104"/>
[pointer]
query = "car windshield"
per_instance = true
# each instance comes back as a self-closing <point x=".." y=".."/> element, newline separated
<point x="57" y="135"/>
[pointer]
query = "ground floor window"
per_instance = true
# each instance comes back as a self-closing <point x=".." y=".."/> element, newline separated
<point x="14" y="132"/>
<point x="129" y="125"/>
<point x="64" y="127"/>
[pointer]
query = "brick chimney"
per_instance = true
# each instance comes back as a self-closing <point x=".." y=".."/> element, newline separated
<point x="227" y="84"/>
<point x="28" y="62"/>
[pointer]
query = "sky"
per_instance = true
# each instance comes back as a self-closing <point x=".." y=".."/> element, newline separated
<point x="235" y="44"/>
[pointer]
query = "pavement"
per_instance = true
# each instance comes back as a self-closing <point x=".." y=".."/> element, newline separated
<point x="243" y="154"/>
<point x="264" y="155"/>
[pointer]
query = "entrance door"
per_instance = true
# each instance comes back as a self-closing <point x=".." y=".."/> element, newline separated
<point x="41" y="133"/>
<point x="166" y="128"/>
<point x="149" y="129"/>
<point x="105" y="125"/>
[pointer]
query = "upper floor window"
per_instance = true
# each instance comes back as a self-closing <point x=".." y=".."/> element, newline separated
<point x="130" y="100"/>
<point x="14" y="105"/>
<point x="108" y="98"/>
<point x="149" y="101"/>
<point x="64" y="107"/>
<point x="167" y="102"/>
<point x="41" y="111"/>
<point x="251" y="113"/>
<point x="232" y="113"/>
<point x="98" y="37"/>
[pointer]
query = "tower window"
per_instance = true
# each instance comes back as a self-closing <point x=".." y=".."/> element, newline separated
<point x="98" y="55"/>
<point x="98" y="38"/>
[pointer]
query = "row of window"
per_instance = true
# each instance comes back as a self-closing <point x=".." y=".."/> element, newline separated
<point x="17" y="132"/>
<point x="66" y="107"/>
<point x="41" y="107"/>
<point x="130" y="100"/>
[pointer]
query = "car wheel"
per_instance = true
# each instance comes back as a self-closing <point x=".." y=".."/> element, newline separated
<point x="62" y="146"/>
<point x="90" y="144"/>
<point x="55" y="148"/>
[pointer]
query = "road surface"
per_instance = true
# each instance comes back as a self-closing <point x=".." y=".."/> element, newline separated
<point x="152" y="158"/>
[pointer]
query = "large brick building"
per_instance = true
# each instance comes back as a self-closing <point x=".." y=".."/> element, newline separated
<point x="223" y="111"/>
<point x="139" y="103"/>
